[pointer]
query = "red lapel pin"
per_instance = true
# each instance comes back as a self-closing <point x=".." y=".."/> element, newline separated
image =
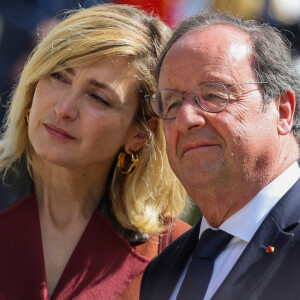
<point x="270" y="249"/>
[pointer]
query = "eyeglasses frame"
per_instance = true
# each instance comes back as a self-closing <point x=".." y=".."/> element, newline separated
<point x="227" y="86"/>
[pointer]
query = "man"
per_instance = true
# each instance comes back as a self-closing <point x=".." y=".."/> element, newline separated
<point x="227" y="96"/>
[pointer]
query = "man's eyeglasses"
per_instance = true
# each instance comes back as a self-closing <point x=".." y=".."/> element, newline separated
<point x="212" y="97"/>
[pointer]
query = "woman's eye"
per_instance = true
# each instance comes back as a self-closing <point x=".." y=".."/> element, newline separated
<point x="100" y="100"/>
<point x="58" y="76"/>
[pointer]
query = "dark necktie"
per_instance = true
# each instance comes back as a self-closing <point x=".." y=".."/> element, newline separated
<point x="209" y="246"/>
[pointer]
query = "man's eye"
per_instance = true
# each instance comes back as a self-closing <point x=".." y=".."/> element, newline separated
<point x="174" y="105"/>
<point x="216" y="98"/>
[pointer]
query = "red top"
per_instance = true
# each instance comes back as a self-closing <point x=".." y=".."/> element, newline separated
<point x="101" y="266"/>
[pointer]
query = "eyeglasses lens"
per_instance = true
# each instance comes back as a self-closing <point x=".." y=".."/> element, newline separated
<point x="212" y="97"/>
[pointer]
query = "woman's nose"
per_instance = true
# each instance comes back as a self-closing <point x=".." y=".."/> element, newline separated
<point x="67" y="106"/>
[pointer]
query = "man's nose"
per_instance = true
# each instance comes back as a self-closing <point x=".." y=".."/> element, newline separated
<point x="190" y="115"/>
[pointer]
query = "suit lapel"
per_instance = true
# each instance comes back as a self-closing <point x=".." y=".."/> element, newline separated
<point x="177" y="263"/>
<point x="255" y="267"/>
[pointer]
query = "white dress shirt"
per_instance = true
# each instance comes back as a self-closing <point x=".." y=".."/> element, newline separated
<point x="242" y="225"/>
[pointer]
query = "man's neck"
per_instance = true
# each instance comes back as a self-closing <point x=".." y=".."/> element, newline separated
<point x="219" y="202"/>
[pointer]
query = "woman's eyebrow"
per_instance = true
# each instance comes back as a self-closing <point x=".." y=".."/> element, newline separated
<point x="94" y="82"/>
<point x="70" y="71"/>
<point x="102" y="85"/>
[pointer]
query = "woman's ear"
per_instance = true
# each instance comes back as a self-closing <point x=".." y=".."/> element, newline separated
<point x="286" y="104"/>
<point x="139" y="137"/>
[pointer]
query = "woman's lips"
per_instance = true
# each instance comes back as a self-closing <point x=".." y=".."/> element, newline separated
<point x="58" y="132"/>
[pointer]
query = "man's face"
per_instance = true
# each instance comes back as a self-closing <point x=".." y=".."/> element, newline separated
<point x="232" y="149"/>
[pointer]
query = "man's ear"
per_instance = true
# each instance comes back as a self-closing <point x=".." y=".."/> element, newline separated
<point x="139" y="137"/>
<point x="153" y="124"/>
<point x="286" y="105"/>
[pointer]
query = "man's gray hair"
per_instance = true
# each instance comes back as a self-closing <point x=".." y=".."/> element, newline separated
<point x="272" y="57"/>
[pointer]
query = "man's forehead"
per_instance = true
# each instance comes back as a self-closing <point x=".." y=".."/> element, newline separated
<point x="215" y="36"/>
<point x="217" y="53"/>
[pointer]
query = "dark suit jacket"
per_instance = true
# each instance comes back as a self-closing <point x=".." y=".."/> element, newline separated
<point x="257" y="274"/>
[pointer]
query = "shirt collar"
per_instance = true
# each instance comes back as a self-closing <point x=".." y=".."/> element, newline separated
<point x="244" y="223"/>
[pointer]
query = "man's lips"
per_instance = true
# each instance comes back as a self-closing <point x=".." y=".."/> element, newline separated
<point x="58" y="132"/>
<point x="198" y="145"/>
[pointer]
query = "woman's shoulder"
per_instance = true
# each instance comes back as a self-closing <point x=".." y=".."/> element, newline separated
<point x="19" y="208"/>
<point x="14" y="187"/>
<point x="178" y="228"/>
<point x="175" y="229"/>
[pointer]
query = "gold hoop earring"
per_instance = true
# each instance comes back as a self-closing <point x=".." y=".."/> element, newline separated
<point x="26" y="117"/>
<point x="133" y="165"/>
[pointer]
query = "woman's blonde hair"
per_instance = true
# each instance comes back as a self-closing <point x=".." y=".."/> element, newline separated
<point x="141" y="201"/>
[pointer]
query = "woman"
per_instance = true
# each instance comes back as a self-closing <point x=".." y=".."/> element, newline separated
<point x="88" y="196"/>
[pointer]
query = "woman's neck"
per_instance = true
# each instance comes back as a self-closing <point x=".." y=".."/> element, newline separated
<point x="66" y="194"/>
